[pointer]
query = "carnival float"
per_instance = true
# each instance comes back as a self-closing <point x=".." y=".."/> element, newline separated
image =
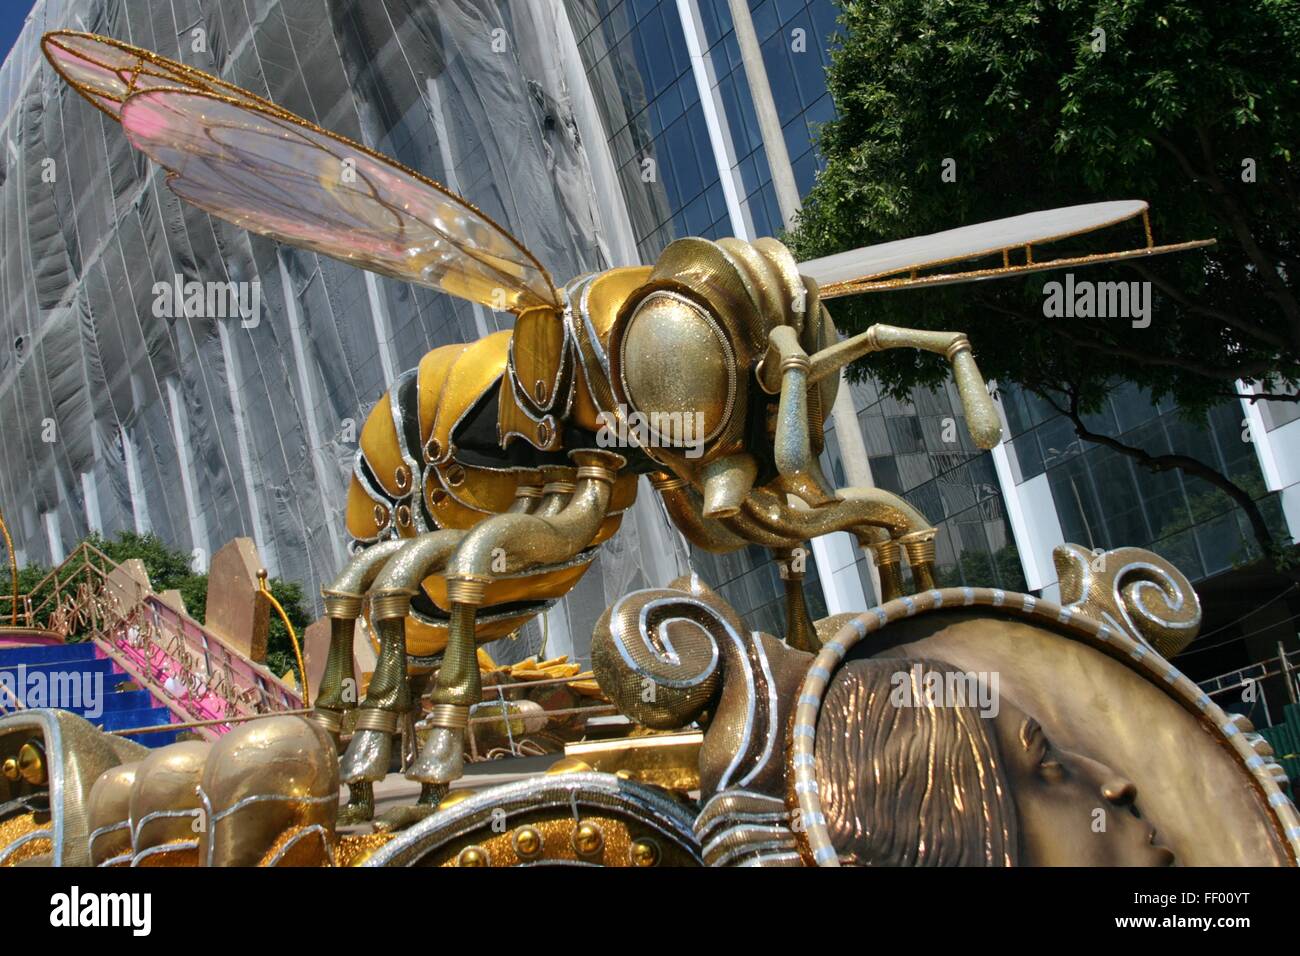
<point x="484" y="487"/>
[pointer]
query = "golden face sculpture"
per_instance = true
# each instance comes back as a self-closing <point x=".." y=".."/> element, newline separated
<point x="956" y="727"/>
<point x="906" y="782"/>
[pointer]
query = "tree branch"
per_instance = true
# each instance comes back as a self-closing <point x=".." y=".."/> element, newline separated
<point x="1227" y="318"/>
<point x="1219" y="373"/>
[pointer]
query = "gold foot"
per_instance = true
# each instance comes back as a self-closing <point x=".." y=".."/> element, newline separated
<point x="399" y="818"/>
<point x="442" y="759"/>
<point x="360" y="807"/>
<point x="367" y="756"/>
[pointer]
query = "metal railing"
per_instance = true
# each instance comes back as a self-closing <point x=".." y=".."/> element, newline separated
<point x="185" y="666"/>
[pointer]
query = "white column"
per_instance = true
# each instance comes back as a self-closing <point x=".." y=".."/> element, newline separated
<point x="135" y="485"/>
<point x="270" y="559"/>
<point x="181" y="436"/>
<point x="90" y="495"/>
<point x="1031" y="512"/>
<point x="53" y="536"/>
<point x="617" y="239"/>
<point x="452" y="181"/>
<point x="1278" y="452"/>
<point x="321" y="470"/>
<point x="383" y="332"/>
<point x="559" y="639"/>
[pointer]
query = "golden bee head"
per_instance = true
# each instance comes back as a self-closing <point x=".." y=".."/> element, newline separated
<point x="684" y="346"/>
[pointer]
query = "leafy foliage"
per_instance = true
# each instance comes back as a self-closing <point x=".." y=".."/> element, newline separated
<point x="1184" y="92"/>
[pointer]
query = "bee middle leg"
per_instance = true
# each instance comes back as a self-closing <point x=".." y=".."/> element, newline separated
<point x="502" y="543"/>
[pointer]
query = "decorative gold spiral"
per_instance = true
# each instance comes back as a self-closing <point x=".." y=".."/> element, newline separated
<point x="655" y="654"/>
<point x="1131" y="589"/>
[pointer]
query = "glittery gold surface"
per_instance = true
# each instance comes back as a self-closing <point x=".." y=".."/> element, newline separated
<point x="670" y="761"/>
<point x="15" y="828"/>
<point x="354" y="850"/>
<point x="310" y="850"/>
<point x="180" y="856"/>
<point x="1133" y="589"/>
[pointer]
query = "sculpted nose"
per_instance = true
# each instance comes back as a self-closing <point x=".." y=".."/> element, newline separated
<point x="1119" y="791"/>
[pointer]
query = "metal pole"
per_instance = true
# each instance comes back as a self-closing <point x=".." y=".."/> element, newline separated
<point x="13" y="569"/>
<point x="1286" y="672"/>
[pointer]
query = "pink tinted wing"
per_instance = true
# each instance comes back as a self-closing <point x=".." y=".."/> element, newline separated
<point x="277" y="175"/>
<point x="107" y="71"/>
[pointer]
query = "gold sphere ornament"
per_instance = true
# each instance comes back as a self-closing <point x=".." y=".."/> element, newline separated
<point x="31" y="763"/>
<point x="528" y="843"/>
<point x="454" y="797"/>
<point x="588" y="840"/>
<point x="568" y="765"/>
<point x="644" y="853"/>
<point x="11" y="768"/>
<point x="473" y="856"/>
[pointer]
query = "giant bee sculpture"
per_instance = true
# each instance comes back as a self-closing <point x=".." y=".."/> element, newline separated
<point x="485" y="482"/>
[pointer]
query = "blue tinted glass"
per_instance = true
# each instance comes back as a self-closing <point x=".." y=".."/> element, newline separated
<point x="787" y="9"/>
<point x="766" y="19"/>
<point x="805" y="172"/>
<point x="716" y="18"/>
<point x="639" y="8"/>
<point x="717" y="201"/>
<point x="797" y="139"/>
<point x="698" y="217"/>
<point x="809" y="72"/>
<point x="659" y="56"/>
<point x="748" y="171"/>
<point x="680" y="148"/>
<point x="824" y="13"/>
<point x="780" y="73"/>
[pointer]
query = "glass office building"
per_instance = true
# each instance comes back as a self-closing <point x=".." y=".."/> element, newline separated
<point x="596" y="130"/>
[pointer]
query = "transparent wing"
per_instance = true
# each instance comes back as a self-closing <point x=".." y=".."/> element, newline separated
<point x="264" y="169"/>
<point x="894" y="265"/>
<point x="107" y="71"/>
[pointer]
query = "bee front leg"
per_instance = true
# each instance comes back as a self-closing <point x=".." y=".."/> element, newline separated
<point x="799" y="630"/>
<point x="887" y="554"/>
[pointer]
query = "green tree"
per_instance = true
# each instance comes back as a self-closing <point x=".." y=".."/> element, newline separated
<point x="1193" y="105"/>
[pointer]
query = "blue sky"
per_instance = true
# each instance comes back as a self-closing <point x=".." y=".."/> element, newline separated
<point x="12" y="15"/>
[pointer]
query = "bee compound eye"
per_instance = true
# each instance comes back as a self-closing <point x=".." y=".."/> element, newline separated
<point x="678" y="370"/>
